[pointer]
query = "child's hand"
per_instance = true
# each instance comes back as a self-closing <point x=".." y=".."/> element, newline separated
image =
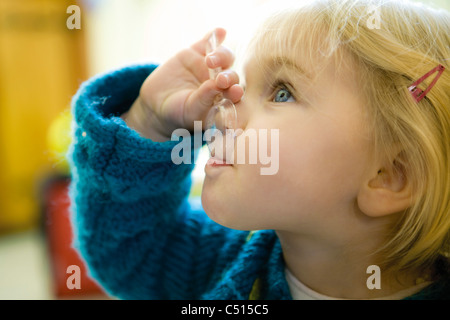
<point x="179" y="92"/>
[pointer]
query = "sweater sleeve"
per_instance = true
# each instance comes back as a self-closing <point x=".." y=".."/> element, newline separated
<point x="132" y="222"/>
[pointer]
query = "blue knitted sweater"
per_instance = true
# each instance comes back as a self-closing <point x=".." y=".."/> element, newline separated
<point x="134" y="226"/>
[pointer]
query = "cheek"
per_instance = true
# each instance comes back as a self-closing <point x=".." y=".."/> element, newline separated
<point x="318" y="167"/>
<point x="323" y="162"/>
<point x="244" y="198"/>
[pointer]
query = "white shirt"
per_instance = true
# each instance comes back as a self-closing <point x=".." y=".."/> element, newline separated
<point x="299" y="291"/>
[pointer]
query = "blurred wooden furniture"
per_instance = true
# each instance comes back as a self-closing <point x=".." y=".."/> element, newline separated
<point x="42" y="63"/>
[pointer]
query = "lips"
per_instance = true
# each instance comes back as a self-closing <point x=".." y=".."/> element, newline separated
<point x="215" y="162"/>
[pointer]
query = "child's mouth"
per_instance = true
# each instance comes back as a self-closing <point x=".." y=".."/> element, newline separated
<point x="215" y="162"/>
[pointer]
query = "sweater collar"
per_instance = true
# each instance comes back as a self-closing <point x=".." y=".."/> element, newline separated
<point x="256" y="273"/>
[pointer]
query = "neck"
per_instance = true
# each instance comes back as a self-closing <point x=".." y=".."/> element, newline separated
<point x="337" y="270"/>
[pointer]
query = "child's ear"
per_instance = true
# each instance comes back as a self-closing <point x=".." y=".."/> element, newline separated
<point x="386" y="191"/>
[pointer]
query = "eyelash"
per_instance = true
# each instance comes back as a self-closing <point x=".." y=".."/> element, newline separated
<point x="278" y="85"/>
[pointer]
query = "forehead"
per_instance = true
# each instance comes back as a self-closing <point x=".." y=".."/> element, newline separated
<point x="290" y="47"/>
<point x="279" y="51"/>
<point x="273" y="65"/>
<point x="288" y="38"/>
<point x="303" y="43"/>
<point x="318" y="77"/>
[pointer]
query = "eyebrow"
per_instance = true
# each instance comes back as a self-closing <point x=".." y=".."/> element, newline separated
<point x="270" y="64"/>
<point x="285" y="62"/>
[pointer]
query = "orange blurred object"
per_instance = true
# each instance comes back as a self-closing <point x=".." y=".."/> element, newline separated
<point x="42" y="64"/>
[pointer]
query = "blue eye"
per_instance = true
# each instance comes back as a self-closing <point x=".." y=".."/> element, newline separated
<point x="282" y="94"/>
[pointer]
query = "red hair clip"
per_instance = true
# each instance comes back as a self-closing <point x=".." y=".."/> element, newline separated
<point x="417" y="93"/>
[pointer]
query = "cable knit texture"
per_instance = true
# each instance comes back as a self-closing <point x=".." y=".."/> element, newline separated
<point x="134" y="225"/>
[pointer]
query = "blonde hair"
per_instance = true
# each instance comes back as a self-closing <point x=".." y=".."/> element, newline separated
<point x="411" y="40"/>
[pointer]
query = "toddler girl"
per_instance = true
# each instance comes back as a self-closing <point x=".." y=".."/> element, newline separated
<point x="360" y="205"/>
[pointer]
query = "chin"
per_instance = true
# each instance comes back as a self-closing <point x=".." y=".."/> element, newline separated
<point x="213" y="206"/>
<point x="220" y="211"/>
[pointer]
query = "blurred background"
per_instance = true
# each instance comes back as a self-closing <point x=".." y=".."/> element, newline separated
<point x="42" y="64"/>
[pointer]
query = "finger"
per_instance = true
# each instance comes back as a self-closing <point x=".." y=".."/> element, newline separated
<point x="193" y="58"/>
<point x="226" y="79"/>
<point x="200" y="46"/>
<point x="194" y="62"/>
<point x="234" y="93"/>
<point x="200" y="101"/>
<point x="222" y="57"/>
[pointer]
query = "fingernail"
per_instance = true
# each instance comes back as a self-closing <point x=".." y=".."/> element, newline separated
<point x="213" y="60"/>
<point x="227" y="79"/>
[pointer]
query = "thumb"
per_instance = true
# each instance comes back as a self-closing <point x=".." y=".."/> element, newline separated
<point x="200" y="102"/>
